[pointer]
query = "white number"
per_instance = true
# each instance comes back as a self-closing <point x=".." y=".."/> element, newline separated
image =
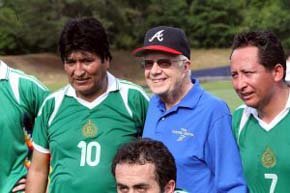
<point x="86" y="153"/>
<point x="274" y="179"/>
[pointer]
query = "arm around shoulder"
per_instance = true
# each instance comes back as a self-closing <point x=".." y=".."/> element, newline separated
<point x="38" y="173"/>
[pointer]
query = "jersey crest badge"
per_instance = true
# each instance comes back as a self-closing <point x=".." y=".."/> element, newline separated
<point x="89" y="129"/>
<point x="268" y="158"/>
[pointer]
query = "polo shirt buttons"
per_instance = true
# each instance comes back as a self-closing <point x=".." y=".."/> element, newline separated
<point x="163" y="118"/>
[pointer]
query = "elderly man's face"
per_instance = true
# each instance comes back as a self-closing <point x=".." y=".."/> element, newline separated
<point x="164" y="73"/>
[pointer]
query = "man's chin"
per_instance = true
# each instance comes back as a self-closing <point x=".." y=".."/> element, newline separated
<point x="251" y="104"/>
<point x="160" y="92"/>
<point x="83" y="89"/>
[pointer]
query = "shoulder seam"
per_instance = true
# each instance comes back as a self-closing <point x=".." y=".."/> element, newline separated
<point x="130" y="85"/>
<point x="31" y="78"/>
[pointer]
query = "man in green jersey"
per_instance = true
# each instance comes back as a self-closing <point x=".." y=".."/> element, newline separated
<point x="21" y="96"/>
<point x="80" y="127"/>
<point x="262" y="125"/>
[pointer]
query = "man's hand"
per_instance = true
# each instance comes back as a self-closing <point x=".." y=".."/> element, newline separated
<point x="20" y="185"/>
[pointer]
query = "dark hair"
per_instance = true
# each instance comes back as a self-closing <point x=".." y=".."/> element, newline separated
<point x="145" y="151"/>
<point x="84" y="34"/>
<point x="270" y="50"/>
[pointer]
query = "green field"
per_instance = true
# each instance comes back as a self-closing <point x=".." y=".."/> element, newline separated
<point x="53" y="86"/>
<point x="219" y="88"/>
<point x="222" y="89"/>
<point x="48" y="68"/>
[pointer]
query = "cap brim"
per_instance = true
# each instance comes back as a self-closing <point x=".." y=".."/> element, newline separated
<point x="140" y="51"/>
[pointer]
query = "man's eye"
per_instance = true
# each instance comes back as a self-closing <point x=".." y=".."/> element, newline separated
<point x="141" y="189"/>
<point x="69" y="62"/>
<point x="87" y="61"/>
<point x="123" y="189"/>
<point x="234" y="75"/>
<point x="248" y="72"/>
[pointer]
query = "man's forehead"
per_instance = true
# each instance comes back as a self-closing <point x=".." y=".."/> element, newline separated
<point x="147" y="169"/>
<point x="81" y="54"/>
<point x="147" y="165"/>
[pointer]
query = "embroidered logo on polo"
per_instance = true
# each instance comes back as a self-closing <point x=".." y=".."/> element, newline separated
<point x="89" y="129"/>
<point x="182" y="134"/>
<point x="158" y="35"/>
<point x="268" y="158"/>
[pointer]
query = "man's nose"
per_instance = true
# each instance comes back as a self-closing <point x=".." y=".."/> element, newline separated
<point x="79" y="70"/>
<point x="155" y="68"/>
<point x="240" y="82"/>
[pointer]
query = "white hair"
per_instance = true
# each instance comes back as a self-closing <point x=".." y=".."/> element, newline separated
<point x="183" y="60"/>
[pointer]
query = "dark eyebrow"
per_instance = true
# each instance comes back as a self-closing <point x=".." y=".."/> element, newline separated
<point x="69" y="60"/>
<point x="141" y="185"/>
<point x="122" y="185"/>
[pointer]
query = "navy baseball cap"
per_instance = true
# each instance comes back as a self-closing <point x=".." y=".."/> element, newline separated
<point x="165" y="39"/>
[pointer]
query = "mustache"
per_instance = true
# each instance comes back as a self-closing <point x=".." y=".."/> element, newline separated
<point x="81" y="77"/>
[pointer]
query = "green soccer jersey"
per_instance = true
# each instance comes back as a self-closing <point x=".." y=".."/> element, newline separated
<point x="83" y="137"/>
<point x="20" y="95"/>
<point x="264" y="150"/>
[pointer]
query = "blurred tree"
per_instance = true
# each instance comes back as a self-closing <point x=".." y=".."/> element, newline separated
<point x="268" y="15"/>
<point x="9" y="30"/>
<point x="142" y="16"/>
<point x="34" y="25"/>
<point x="212" y="23"/>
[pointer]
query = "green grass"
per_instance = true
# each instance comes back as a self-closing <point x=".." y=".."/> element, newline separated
<point x="223" y="89"/>
<point x="55" y="85"/>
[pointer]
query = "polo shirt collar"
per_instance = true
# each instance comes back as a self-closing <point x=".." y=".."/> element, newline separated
<point x="190" y="100"/>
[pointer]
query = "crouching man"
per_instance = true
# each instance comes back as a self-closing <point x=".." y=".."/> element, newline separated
<point x="145" y="166"/>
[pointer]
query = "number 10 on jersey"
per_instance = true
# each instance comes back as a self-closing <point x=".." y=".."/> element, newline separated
<point x="90" y="153"/>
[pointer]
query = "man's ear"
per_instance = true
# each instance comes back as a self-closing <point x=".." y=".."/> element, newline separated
<point x="169" y="187"/>
<point x="187" y="65"/>
<point x="278" y="72"/>
<point x="107" y="63"/>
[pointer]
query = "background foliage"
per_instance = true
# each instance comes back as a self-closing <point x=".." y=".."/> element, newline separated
<point x="30" y="26"/>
